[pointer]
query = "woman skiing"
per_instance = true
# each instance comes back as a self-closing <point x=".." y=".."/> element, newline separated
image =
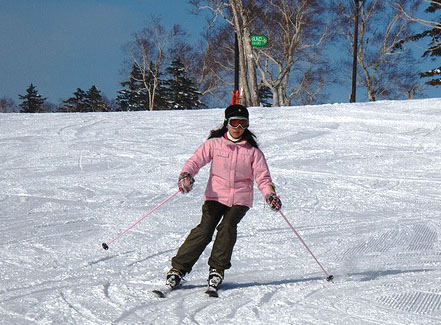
<point x="236" y="161"/>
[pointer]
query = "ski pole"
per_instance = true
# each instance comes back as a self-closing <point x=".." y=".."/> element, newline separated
<point x="106" y="245"/>
<point x="329" y="277"/>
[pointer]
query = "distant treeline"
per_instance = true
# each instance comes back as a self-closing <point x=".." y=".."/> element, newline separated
<point x="310" y="48"/>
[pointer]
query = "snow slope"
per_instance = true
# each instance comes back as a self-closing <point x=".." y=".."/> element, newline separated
<point x="360" y="182"/>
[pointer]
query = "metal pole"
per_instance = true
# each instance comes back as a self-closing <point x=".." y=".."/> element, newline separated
<point x="236" y="92"/>
<point x="354" y="62"/>
<point x="106" y="245"/>
<point x="329" y="277"/>
<point x="236" y="62"/>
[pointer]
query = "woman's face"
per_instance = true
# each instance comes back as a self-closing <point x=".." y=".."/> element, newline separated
<point x="235" y="132"/>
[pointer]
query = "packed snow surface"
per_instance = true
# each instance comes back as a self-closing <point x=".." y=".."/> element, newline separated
<point x="361" y="183"/>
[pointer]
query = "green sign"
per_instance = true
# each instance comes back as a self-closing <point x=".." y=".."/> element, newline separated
<point x="259" y="40"/>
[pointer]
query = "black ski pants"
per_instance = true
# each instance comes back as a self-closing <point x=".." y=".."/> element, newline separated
<point x="202" y="234"/>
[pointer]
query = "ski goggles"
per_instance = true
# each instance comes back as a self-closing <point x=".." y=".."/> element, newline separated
<point x="236" y="123"/>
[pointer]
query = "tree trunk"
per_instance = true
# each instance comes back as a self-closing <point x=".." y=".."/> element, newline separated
<point x="252" y="77"/>
<point x="248" y="78"/>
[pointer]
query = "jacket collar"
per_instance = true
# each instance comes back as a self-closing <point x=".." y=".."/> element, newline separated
<point x="229" y="142"/>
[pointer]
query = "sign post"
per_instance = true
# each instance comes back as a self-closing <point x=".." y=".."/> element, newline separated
<point x="256" y="41"/>
<point x="236" y="93"/>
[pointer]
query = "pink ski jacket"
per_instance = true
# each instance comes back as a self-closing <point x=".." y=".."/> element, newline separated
<point x="234" y="167"/>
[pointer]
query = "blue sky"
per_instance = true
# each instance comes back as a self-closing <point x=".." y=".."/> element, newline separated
<point x="62" y="45"/>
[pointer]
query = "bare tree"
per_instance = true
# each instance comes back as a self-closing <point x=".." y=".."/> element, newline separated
<point x="382" y="66"/>
<point x="239" y="15"/>
<point x="414" y="18"/>
<point x="7" y="105"/>
<point x="217" y="65"/>
<point x="290" y="65"/>
<point x="151" y="48"/>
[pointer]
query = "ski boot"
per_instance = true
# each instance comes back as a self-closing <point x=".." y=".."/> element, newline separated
<point x="174" y="277"/>
<point x="215" y="278"/>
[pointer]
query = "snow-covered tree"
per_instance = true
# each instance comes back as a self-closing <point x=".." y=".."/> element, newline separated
<point x="134" y="96"/>
<point x="180" y="91"/>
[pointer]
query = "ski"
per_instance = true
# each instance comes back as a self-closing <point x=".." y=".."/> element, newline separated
<point x="163" y="292"/>
<point x="212" y="292"/>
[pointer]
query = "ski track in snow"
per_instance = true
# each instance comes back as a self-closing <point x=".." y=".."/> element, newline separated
<point x="360" y="183"/>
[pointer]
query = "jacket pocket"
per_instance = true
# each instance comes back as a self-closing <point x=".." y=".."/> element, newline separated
<point x="221" y="153"/>
<point x="221" y="164"/>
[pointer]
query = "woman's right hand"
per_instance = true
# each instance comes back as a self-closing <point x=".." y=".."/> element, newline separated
<point x="185" y="182"/>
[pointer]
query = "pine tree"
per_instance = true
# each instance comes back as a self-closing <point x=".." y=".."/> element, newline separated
<point x="77" y="103"/>
<point x="134" y="97"/>
<point x="181" y="92"/>
<point x="95" y="101"/>
<point x="265" y="95"/>
<point x="434" y="49"/>
<point x="161" y="92"/>
<point x="32" y="101"/>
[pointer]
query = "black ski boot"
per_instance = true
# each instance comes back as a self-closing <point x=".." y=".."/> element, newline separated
<point x="174" y="277"/>
<point x="215" y="278"/>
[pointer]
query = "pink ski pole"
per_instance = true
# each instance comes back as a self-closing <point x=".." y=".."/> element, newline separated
<point x="329" y="277"/>
<point x="106" y="245"/>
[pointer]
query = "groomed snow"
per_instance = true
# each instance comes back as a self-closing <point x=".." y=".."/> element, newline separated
<point x="360" y="182"/>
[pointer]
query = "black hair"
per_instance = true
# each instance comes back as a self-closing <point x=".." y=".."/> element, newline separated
<point x="247" y="135"/>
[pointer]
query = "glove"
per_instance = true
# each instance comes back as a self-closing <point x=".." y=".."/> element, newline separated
<point x="185" y="182"/>
<point x="273" y="201"/>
